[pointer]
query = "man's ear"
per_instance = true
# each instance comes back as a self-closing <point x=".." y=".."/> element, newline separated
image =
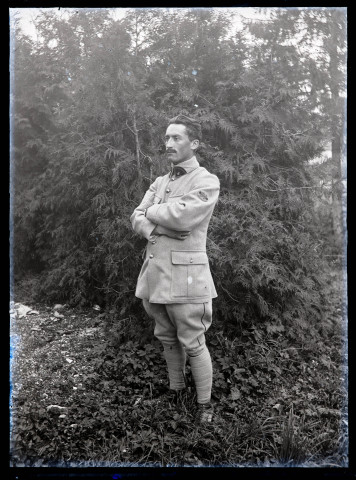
<point x="195" y="144"/>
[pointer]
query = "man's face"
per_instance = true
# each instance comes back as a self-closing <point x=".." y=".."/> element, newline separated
<point x="178" y="146"/>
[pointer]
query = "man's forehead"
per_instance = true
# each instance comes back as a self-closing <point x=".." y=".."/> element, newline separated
<point x="176" y="129"/>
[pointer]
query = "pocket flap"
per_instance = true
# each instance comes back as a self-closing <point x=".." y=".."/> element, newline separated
<point x="189" y="258"/>
<point x="176" y="195"/>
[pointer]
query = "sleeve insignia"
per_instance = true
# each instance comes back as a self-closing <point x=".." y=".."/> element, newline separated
<point x="203" y="196"/>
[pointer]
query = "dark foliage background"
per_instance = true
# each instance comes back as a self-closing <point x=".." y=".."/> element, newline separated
<point x="91" y="96"/>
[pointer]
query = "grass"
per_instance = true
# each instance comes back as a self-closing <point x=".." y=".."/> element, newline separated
<point x="279" y="402"/>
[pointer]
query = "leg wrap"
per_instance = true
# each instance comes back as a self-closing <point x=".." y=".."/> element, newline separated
<point x="175" y="358"/>
<point x="202" y="371"/>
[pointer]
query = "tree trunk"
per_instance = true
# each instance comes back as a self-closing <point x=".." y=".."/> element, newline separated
<point x="137" y="146"/>
<point x="336" y="186"/>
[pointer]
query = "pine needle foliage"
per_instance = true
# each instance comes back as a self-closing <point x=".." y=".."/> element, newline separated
<point x="88" y="119"/>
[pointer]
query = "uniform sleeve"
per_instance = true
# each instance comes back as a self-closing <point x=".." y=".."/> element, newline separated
<point x="190" y="209"/>
<point x="140" y="224"/>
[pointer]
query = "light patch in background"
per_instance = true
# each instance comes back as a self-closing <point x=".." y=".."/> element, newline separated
<point x="27" y="16"/>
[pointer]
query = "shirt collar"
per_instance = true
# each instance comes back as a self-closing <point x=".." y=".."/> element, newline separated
<point x="188" y="165"/>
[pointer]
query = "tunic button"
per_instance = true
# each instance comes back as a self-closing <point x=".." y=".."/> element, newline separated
<point x="191" y="260"/>
<point x="168" y="190"/>
<point x="153" y="241"/>
<point x="151" y="256"/>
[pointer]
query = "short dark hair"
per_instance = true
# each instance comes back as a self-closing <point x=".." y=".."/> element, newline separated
<point x="191" y="124"/>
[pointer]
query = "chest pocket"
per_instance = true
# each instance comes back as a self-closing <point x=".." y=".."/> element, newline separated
<point x="173" y="197"/>
<point x="190" y="274"/>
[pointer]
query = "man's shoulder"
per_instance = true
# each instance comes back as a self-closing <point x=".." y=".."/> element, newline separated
<point x="204" y="175"/>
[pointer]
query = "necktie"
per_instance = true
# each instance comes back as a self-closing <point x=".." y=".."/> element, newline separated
<point x="178" y="171"/>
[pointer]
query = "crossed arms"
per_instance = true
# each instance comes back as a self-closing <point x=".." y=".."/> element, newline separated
<point x="175" y="219"/>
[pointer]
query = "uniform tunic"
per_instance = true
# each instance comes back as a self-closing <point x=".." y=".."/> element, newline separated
<point x="177" y="271"/>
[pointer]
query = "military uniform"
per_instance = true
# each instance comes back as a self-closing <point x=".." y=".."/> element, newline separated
<point x="175" y="282"/>
<point x="177" y="271"/>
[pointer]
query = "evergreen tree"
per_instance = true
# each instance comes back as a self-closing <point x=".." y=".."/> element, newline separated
<point x="92" y="101"/>
<point x="310" y="46"/>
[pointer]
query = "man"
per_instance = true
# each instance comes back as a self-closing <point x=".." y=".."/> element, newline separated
<point x="175" y="282"/>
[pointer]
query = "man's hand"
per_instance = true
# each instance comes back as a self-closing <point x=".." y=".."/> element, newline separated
<point x="159" y="230"/>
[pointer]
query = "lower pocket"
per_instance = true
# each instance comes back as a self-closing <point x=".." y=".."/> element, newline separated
<point x="190" y="274"/>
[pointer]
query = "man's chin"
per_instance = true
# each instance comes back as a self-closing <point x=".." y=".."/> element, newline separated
<point x="173" y="158"/>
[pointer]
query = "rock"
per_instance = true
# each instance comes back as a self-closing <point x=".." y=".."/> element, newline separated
<point x="58" y="315"/>
<point x="56" y="409"/>
<point x="277" y="408"/>
<point x="97" y="308"/>
<point x="23" y="310"/>
<point x="69" y="360"/>
<point x="58" y="306"/>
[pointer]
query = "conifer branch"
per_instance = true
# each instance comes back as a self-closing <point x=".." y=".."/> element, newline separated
<point x="289" y="188"/>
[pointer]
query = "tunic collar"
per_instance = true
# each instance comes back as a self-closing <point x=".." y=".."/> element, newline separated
<point x="185" y="167"/>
